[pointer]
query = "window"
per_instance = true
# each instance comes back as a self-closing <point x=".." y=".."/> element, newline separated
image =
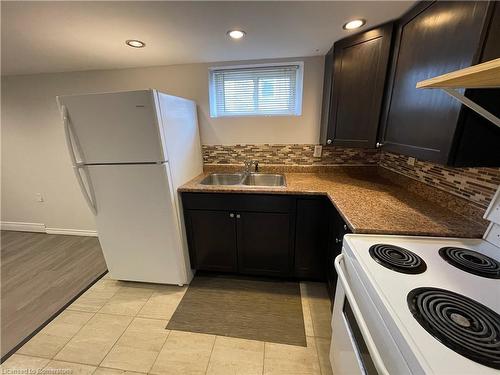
<point x="256" y="90"/>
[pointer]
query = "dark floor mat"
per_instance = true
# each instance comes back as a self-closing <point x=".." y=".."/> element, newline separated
<point x="249" y="308"/>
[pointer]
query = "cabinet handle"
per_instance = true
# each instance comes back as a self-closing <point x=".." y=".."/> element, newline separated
<point x="378" y="145"/>
<point x="345" y="227"/>
<point x="337" y="240"/>
<point x="231" y="215"/>
<point x="329" y="141"/>
<point x="238" y="216"/>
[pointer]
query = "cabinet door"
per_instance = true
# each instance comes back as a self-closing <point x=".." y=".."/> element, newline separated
<point x="311" y="228"/>
<point x="264" y="243"/>
<point x="337" y="229"/>
<point x="212" y="240"/>
<point x="477" y="139"/>
<point x="432" y="39"/>
<point x="360" y="68"/>
<point x="327" y="97"/>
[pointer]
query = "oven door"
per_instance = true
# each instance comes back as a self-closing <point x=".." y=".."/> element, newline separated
<point x="352" y="350"/>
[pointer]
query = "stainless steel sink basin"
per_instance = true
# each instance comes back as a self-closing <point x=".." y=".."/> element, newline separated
<point x="264" y="179"/>
<point x="245" y="179"/>
<point x="223" y="179"/>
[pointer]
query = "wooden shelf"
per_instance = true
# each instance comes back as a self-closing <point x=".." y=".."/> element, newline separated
<point x="485" y="75"/>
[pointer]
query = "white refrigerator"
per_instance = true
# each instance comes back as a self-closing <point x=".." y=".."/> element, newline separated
<point x="130" y="152"/>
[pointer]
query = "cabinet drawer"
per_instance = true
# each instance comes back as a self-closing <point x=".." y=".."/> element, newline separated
<point x="238" y="202"/>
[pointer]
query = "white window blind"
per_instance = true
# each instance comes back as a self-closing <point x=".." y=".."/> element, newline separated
<point x="256" y="90"/>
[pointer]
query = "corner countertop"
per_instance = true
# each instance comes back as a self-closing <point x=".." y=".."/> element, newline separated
<point x="368" y="202"/>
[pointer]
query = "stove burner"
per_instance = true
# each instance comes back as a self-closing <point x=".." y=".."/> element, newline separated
<point x="471" y="261"/>
<point x="460" y="320"/>
<point x="462" y="324"/>
<point x="397" y="259"/>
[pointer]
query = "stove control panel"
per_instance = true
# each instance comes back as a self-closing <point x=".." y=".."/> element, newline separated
<point x="493" y="212"/>
<point x="492" y="234"/>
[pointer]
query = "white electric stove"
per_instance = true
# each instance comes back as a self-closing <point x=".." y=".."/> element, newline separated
<point x="418" y="305"/>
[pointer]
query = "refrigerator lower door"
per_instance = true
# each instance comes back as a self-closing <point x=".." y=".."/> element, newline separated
<point x="137" y="223"/>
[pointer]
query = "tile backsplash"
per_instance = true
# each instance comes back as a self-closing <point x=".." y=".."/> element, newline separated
<point x="286" y="154"/>
<point x="477" y="185"/>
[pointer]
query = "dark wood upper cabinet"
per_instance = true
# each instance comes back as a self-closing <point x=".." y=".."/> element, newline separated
<point x="477" y="140"/>
<point x="327" y="97"/>
<point x="355" y="74"/>
<point x="434" y="38"/>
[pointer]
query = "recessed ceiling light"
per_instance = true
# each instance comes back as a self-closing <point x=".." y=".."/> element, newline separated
<point x="135" y="43"/>
<point x="354" y="24"/>
<point x="236" y="34"/>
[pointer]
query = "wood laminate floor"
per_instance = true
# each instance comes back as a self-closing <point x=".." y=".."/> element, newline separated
<point x="40" y="273"/>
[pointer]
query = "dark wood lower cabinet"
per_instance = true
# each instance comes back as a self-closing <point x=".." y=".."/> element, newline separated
<point x="266" y="235"/>
<point x="333" y="249"/>
<point x="212" y="240"/>
<point x="311" y="238"/>
<point x="264" y="243"/>
<point x="250" y="234"/>
<point x="337" y="229"/>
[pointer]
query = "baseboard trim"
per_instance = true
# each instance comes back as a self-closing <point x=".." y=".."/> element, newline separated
<point x="71" y="232"/>
<point x="41" y="228"/>
<point x="23" y="227"/>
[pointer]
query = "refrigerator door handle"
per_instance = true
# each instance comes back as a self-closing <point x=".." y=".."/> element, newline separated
<point x="67" y="133"/>
<point x="88" y="195"/>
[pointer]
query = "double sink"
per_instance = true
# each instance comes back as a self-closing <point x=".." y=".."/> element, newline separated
<point x="245" y="179"/>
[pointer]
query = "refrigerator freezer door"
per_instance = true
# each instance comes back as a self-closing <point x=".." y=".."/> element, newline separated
<point x="137" y="224"/>
<point x="120" y="127"/>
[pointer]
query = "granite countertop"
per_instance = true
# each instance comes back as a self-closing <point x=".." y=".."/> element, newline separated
<point x="368" y="202"/>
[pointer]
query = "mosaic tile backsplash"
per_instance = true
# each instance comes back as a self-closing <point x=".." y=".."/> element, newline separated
<point x="476" y="185"/>
<point x="277" y="154"/>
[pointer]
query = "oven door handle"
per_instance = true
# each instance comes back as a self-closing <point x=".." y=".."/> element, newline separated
<point x="377" y="359"/>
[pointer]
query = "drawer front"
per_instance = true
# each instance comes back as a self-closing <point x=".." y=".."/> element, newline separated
<point x="238" y="202"/>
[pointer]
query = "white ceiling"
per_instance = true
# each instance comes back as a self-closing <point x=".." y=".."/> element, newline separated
<point x="54" y="36"/>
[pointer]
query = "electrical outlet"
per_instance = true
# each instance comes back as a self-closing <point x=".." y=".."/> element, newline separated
<point x="39" y="197"/>
<point x="411" y="161"/>
<point x="318" y="149"/>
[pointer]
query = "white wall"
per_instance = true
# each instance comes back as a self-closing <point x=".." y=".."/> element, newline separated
<point x="34" y="155"/>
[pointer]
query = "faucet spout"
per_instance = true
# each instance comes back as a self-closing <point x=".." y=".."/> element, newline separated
<point x="249" y="164"/>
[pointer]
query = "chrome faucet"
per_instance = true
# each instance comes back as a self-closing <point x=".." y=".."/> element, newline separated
<point x="249" y="164"/>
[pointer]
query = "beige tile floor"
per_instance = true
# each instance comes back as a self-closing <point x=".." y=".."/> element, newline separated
<point x="119" y="328"/>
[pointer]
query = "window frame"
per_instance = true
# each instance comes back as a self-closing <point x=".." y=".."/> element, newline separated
<point x="299" y="87"/>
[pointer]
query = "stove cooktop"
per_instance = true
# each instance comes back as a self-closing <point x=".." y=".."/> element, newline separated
<point x="419" y="331"/>
<point x="397" y="258"/>
<point x="462" y="324"/>
<point x="471" y="261"/>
